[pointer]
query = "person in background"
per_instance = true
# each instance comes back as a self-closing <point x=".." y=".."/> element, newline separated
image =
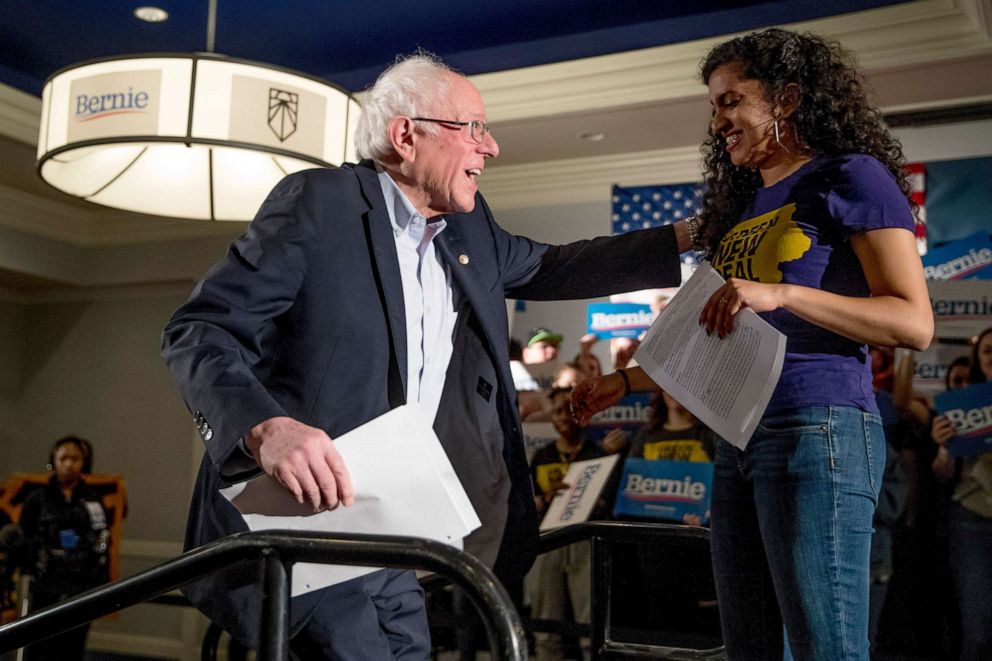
<point x="807" y="216"/>
<point x="892" y="497"/>
<point x="622" y="350"/>
<point x="67" y="534"/>
<point x="568" y="376"/>
<point x="921" y="616"/>
<point x="541" y="355"/>
<point x="560" y="579"/>
<point x="969" y="521"/>
<point x="587" y="362"/>
<point x="522" y="379"/>
<point x="542" y="347"/>
<point x="674" y="434"/>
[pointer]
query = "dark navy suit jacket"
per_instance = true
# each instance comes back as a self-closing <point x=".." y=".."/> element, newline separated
<point x="304" y="317"/>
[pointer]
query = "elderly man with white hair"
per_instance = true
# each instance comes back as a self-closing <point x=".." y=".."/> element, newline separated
<point x="356" y="290"/>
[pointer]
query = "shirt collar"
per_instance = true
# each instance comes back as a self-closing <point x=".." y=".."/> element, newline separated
<point x="401" y="209"/>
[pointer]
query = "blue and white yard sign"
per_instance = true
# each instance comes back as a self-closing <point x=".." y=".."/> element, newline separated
<point x="969" y="258"/>
<point x="609" y="320"/>
<point x="970" y="411"/>
<point x="665" y="489"/>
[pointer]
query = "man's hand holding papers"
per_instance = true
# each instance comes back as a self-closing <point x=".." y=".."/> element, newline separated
<point x="404" y="485"/>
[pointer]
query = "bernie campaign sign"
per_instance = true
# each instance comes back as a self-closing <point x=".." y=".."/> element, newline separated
<point x="961" y="308"/>
<point x="629" y="414"/>
<point x="665" y="489"/>
<point x="969" y="258"/>
<point x="609" y="320"/>
<point x="970" y="411"/>
<point x="930" y="366"/>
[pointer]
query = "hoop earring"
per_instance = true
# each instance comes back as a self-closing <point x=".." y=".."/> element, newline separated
<point x="778" y="136"/>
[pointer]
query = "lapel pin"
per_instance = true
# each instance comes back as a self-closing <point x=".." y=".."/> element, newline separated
<point x="463" y="259"/>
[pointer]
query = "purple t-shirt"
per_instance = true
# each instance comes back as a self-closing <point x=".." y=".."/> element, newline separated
<point x="797" y="232"/>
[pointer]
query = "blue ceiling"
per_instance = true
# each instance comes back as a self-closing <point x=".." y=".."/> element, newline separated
<point x="348" y="42"/>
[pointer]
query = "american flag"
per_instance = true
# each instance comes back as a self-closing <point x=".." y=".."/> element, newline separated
<point x="652" y="206"/>
<point x="641" y="207"/>
<point x="918" y="192"/>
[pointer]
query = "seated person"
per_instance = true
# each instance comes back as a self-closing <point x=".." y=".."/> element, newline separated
<point x="67" y="535"/>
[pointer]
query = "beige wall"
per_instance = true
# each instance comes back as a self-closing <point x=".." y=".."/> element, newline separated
<point x="86" y="362"/>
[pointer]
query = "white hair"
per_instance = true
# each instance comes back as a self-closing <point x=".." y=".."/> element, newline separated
<point x="412" y="86"/>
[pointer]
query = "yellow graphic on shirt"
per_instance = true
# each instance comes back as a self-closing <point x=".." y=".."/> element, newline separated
<point x="676" y="450"/>
<point x="550" y="474"/>
<point x="754" y="249"/>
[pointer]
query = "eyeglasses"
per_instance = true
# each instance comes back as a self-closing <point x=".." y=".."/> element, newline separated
<point x="478" y="130"/>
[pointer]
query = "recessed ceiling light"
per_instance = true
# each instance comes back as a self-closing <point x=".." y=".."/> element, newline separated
<point x="151" y="14"/>
<point x="594" y="136"/>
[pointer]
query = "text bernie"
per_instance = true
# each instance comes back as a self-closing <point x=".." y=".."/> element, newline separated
<point x="101" y="104"/>
<point x="640" y="486"/>
<point x="970" y="421"/>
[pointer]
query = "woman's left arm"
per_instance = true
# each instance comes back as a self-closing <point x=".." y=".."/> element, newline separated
<point x="897" y="313"/>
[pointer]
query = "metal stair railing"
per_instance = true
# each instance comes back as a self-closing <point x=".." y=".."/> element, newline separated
<point x="603" y="536"/>
<point x="278" y="550"/>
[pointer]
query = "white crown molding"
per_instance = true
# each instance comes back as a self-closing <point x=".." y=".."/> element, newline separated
<point x="904" y="34"/>
<point x="587" y="179"/>
<point x="937" y="105"/>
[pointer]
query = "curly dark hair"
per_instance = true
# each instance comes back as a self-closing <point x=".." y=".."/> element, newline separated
<point x="833" y="115"/>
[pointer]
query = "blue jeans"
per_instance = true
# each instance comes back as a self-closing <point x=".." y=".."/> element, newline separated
<point x="791" y="535"/>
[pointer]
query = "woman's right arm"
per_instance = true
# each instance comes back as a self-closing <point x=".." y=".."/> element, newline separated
<point x="593" y="395"/>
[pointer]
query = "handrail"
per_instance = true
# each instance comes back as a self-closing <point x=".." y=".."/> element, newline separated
<point x="602" y="535"/>
<point x="279" y="549"/>
<point x="619" y="531"/>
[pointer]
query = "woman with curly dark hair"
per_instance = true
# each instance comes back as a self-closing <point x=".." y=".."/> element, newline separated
<point x="807" y="217"/>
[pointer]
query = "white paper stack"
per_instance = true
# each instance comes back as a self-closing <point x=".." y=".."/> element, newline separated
<point x="404" y="485"/>
<point x="727" y="382"/>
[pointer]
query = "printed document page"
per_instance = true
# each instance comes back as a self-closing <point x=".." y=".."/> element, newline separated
<point x="726" y="383"/>
<point x="404" y="485"/>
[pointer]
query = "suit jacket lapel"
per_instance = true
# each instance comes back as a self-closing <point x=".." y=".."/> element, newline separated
<point x="459" y="258"/>
<point x="387" y="267"/>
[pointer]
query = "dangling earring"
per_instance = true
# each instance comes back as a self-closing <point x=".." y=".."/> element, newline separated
<point x="778" y="136"/>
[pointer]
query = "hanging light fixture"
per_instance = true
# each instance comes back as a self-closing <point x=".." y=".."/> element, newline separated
<point x="198" y="136"/>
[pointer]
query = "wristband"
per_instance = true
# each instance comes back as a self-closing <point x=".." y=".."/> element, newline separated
<point x="626" y="381"/>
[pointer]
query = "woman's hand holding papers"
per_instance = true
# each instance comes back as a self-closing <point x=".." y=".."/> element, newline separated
<point x="732" y="297"/>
